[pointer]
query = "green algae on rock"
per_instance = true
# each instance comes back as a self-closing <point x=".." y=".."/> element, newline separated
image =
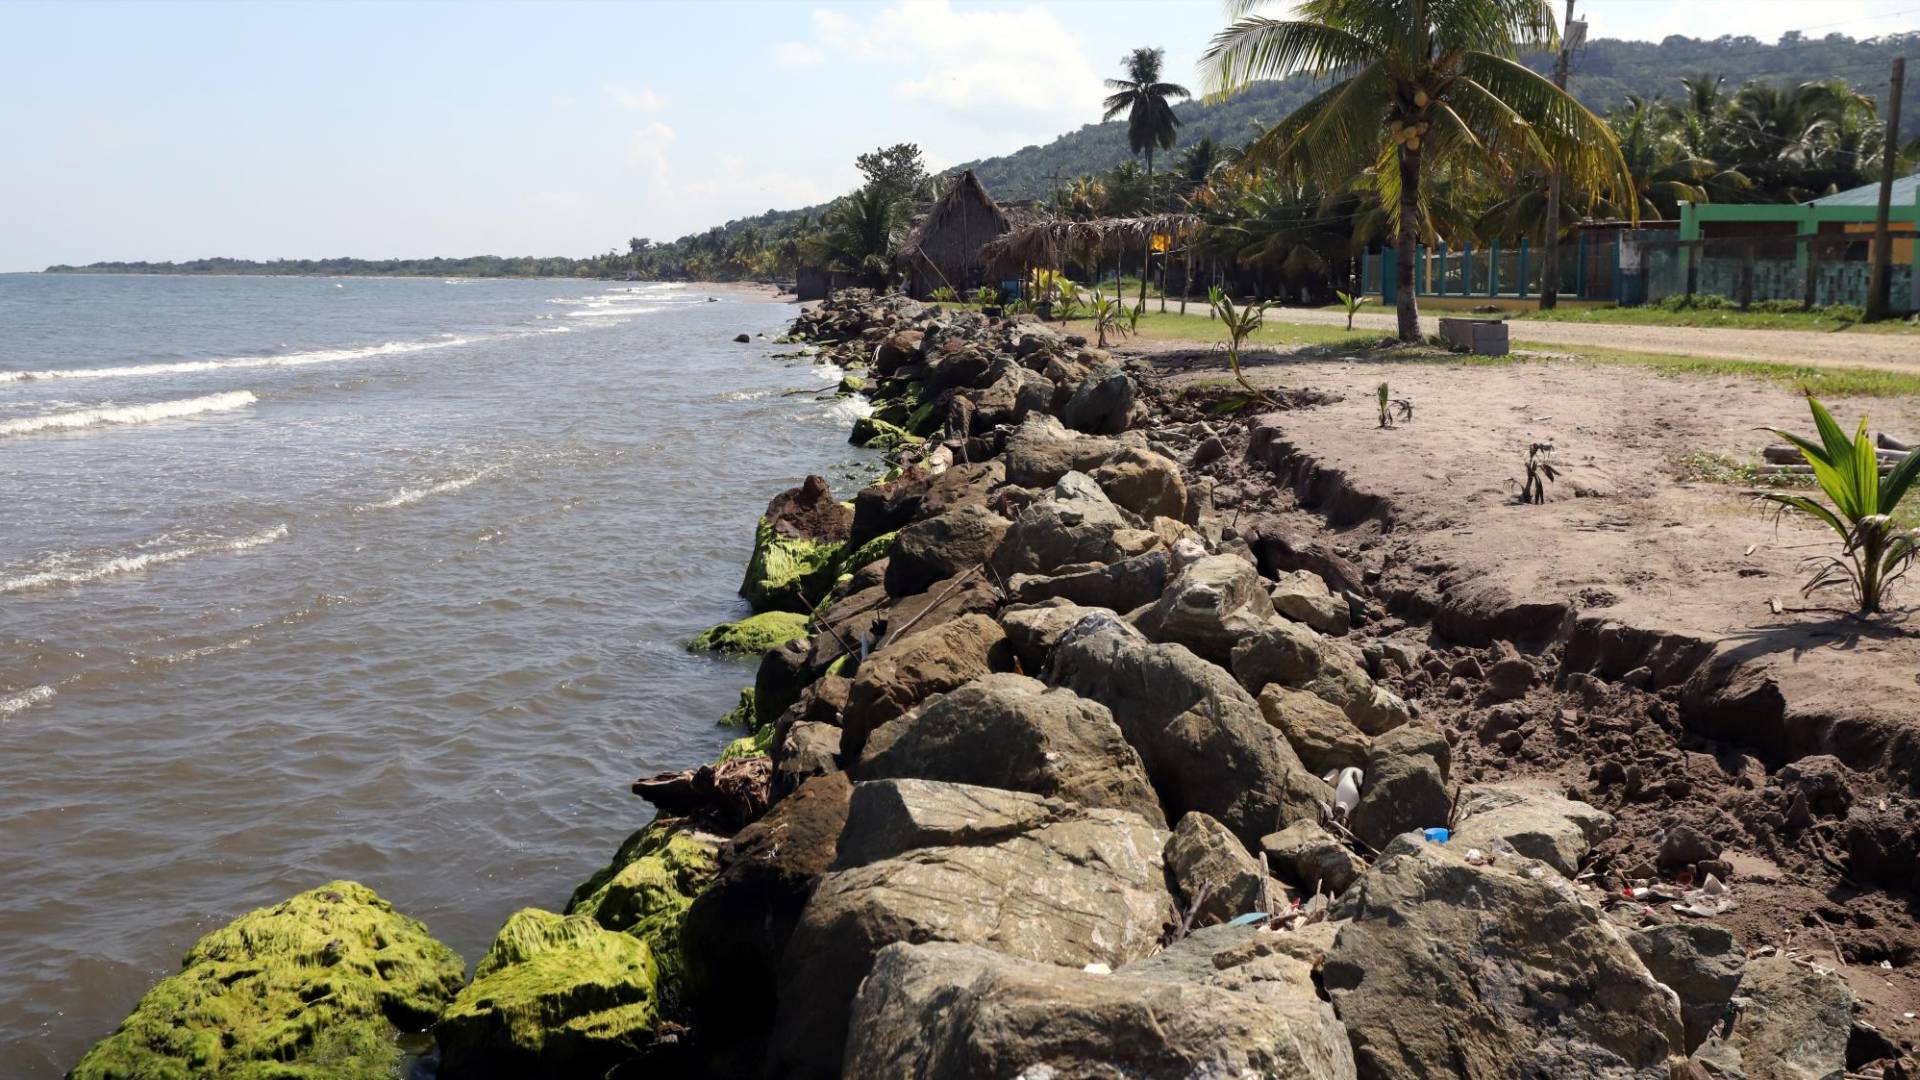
<point x="788" y="573"/>
<point x="741" y="715"/>
<point x="873" y="433"/>
<point x="312" y="987"/>
<point x="554" y="996"/>
<point x="752" y="635"/>
<point x="874" y="549"/>
<point x="851" y="384"/>
<point x="654" y="877"/>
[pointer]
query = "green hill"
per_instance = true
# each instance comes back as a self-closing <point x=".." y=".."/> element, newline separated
<point x="1605" y="72"/>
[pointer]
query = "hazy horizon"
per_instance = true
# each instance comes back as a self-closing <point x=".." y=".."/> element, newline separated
<point x="176" y="131"/>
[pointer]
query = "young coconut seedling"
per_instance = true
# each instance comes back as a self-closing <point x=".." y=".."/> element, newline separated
<point x="1390" y="406"/>
<point x="1533" y="490"/>
<point x="1241" y="323"/>
<point x="1351" y="301"/>
<point x="1874" y="552"/>
<point x="1066" y="300"/>
<point x="1109" y="316"/>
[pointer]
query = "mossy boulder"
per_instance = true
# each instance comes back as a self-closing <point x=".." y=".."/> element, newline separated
<point x="554" y="996"/>
<point x="646" y="890"/>
<point x="758" y="744"/>
<point x="851" y="384"/>
<point x="742" y="714"/>
<point x="313" y="987"/>
<point x="789" y="573"/>
<point x="876" y="548"/>
<point x="873" y="433"/>
<point x="754" y="634"/>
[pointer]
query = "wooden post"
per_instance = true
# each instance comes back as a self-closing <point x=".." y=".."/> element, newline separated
<point x="1879" y="281"/>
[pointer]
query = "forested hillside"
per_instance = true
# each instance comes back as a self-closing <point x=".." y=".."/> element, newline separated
<point x="1606" y="72"/>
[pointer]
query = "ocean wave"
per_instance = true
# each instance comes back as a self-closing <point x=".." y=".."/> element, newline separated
<point x="409" y="496"/>
<point x="26" y="699"/>
<point x="127" y="564"/>
<point x="848" y="409"/>
<point x="128" y="414"/>
<point x="192" y="367"/>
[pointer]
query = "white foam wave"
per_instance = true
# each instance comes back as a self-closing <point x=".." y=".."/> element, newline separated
<point x="192" y="367"/>
<point x="409" y="496"/>
<point x="129" y="414"/>
<point x="849" y="409"/>
<point x="26" y="699"/>
<point x="127" y="564"/>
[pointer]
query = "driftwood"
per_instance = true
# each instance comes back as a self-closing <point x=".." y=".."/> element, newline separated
<point x="1886" y="442"/>
<point x="1790" y="455"/>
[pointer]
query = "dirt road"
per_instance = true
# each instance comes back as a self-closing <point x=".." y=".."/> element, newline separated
<point x="1894" y="352"/>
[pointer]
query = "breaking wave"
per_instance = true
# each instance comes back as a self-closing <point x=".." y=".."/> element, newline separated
<point x="26" y="699"/>
<point x="127" y="564"/>
<point x="128" y="414"/>
<point x="190" y="367"/>
<point x="409" y="496"/>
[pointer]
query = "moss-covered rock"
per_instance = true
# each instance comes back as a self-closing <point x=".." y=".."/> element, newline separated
<point x="788" y="573"/>
<point x="312" y="987"/>
<point x="851" y="384"/>
<point x="647" y="889"/>
<point x="758" y="744"/>
<point x="874" y="433"/>
<point x="752" y="635"/>
<point x="876" y="548"/>
<point x="742" y="714"/>
<point x="554" y="996"/>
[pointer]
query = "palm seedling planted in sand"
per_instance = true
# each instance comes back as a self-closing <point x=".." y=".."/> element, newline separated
<point x="1874" y="551"/>
<point x="1109" y="316"/>
<point x="1533" y="490"/>
<point x="1241" y="323"/>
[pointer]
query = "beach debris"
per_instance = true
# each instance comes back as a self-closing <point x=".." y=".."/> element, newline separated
<point x="1346" y="790"/>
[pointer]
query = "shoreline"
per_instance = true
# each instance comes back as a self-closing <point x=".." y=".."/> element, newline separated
<point x="1057" y="511"/>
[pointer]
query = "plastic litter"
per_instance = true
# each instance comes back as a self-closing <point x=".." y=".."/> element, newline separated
<point x="1438" y="836"/>
<point x="1249" y="918"/>
<point x="1097" y="968"/>
<point x="1346" y="791"/>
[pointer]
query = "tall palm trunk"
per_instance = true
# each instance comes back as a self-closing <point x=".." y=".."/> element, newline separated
<point x="1146" y="255"/>
<point x="1409" y="307"/>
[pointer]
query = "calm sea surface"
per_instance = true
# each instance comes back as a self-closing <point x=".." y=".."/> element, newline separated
<point x="305" y="578"/>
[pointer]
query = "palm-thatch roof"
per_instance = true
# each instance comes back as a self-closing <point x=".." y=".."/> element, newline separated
<point x="1051" y="243"/>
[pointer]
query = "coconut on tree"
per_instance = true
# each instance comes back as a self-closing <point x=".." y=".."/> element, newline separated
<point x="1418" y="87"/>
<point x="1151" y="123"/>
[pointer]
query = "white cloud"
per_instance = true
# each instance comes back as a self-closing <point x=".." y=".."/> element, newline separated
<point x="797" y="56"/>
<point x="974" y="62"/>
<point x="641" y="100"/>
<point x="648" y="149"/>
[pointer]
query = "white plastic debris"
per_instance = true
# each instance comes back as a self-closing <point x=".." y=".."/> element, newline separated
<point x="1097" y="968"/>
<point x="1346" y="790"/>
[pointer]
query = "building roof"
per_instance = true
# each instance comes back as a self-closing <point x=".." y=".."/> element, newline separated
<point x="964" y="186"/>
<point x="1906" y="192"/>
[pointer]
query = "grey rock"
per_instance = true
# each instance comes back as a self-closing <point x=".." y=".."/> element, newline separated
<point x="1449" y="969"/>
<point x="1144" y="482"/>
<point x="1405" y="787"/>
<point x="1215" y="877"/>
<point x="1791" y="1022"/>
<point x="941" y="546"/>
<point x="1031" y="878"/>
<point x="1309" y="856"/>
<point x="1119" y="586"/>
<point x="1317" y="729"/>
<point x="1209" y="606"/>
<point x="1033" y="629"/>
<point x="1700" y="962"/>
<point x="1302" y="596"/>
<point x="1103" y="404"/>
<point x="1012" y="732"/>
<point x="1684" y="845"/>
<point x="1040" y="451"/>
<point x="906" y="672"/>
<point x="1200" y="736"/>
<point x="1532" y="820"/>
<point x="1077" y="523"/>
<point x="1294" y="654"/>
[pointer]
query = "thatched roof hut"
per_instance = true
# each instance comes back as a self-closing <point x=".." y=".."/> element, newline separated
<point x="1051" y="243"/>
<point x="944" y="246"/>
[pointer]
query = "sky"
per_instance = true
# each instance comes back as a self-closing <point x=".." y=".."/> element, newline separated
<point x="159" y="130"/>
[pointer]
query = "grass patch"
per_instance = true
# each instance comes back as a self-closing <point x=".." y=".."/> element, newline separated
<point x="1715" y="468"/>
<point x="1818" y="381"/>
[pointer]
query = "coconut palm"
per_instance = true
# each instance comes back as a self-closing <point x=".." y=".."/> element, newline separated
<point x="863" y="232"/>
<point x="1421" y="86"/>
<point x="1150" y="119"/>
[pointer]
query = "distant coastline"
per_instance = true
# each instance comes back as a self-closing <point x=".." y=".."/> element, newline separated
<point x="602" y="267"/>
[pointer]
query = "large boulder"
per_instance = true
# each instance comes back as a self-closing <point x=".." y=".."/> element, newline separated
<point x="1040" y="451"/>
<point x="1700" y="962"/>
<point x="1317" y="729"/>
<point x="647" y="887"/>
<point x="1451" y="969"/>
<point x="906" y="672"/>
<point x="1216" y="879"/>
<point x="752" y="635"/>
<point x="1012" y="732"/>
<point x="554" y="996"/>
<point x="1028" y="877"/>
<point x="1075" y="524"/>
<point x="1144" y="482"/>
<point x="1294" y="654"/>
<point x="313" y="986"/>
<point x="1532" y="820"/>
<point x="1118" y="586"/>
<point x="1199" y="734"/>
<point x="1309" y="856"/>
<point x="956" y="1012"/>
<point x="1032" y="629"/>
<point x="1012" y="394"/>
<point x="1301" y="595"/>
<point x="796" y="548"/>
<point x="737" y="930"/>
<point x="1405" y="786"/>
<point x="1792" y="1021"/>
<point x="942" y="546"/>
<point x="1210" y="605"/>
<point x="1105" y="403"/>
<point x="919" y="492"/>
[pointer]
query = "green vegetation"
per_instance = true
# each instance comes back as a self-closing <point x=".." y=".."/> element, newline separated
<point x="1819" y="381"/>
<point x="787" y="572"/>
<point x="1716" y="311"/>
<point x="1151" y="121"/>
<point x="312" y="987"/>
<point x="753" y="635"/>
<point x="1454" y="97"/>
<point x="1238" y="324"/>
<point x="1709" y="467"/>
<point x="1875" y="552"/>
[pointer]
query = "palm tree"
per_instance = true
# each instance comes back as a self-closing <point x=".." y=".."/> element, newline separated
<point x="863" y="233"/>
<point x="1150" y="119"/>
<point x="1421" y="86"/>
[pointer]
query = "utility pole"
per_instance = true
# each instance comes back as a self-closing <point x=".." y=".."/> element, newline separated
<point x="1877" y="283"/>
<point x="1550" y="273"/>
